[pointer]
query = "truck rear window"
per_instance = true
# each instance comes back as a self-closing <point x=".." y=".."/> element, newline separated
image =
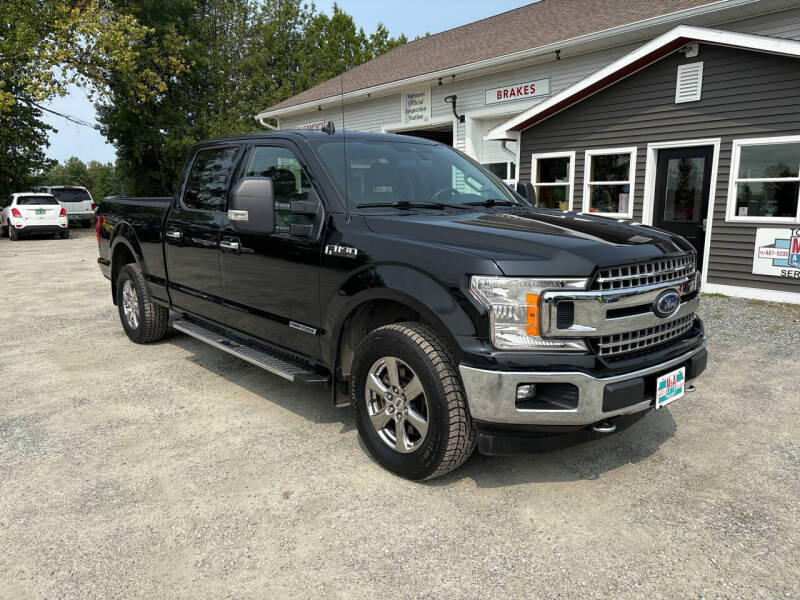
<point x="36" y="201"/>
<point x="71" y="195"/>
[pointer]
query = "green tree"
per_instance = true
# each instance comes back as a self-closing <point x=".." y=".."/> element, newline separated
<point x="46" y="45"/>
<point x="23" y="139"/>
<point x="243" y="56"/>
<point x="100" y="179"/>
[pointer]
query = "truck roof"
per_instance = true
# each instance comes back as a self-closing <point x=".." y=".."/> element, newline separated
<point x="308" y="134"/>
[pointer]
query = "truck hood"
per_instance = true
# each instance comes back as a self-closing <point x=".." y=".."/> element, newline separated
<point x="534" y="242"/>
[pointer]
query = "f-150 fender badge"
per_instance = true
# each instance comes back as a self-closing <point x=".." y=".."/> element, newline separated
<point x="343" y="251"/>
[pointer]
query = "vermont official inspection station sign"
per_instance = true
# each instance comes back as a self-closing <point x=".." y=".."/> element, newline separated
<point x="417" y="106"/>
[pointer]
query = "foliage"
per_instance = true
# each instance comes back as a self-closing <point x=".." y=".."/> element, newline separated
<point x="243" y="56"/>
<point x="23" y="138"/>
<point x="99" y="178"/>
<point x="45" y="45"/>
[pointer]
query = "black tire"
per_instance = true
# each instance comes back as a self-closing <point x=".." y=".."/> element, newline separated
<point x="64" y="234"/>
<point x="13" y="234"/>
<point x="153" y="320"/>
<point x="450" y="437"/>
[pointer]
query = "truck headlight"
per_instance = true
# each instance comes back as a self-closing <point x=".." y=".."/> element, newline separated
<point x="515" y="311"/>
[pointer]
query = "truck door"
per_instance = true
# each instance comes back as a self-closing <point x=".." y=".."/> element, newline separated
<point x="192" y="232"/>
<point x="270" y="282"/>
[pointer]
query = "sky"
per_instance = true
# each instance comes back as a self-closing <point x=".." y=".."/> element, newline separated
<point x="411" y="17"/>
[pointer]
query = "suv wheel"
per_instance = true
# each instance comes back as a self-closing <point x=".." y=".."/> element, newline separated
<point x="143" y="320"/>
<point x="64" y="233"/>
<point x="410" y="407"/>
<point x="13" y="233"/>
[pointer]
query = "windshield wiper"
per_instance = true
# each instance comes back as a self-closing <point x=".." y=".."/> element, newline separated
<point x="491" y="202"/>
<point x="408" y="204"/>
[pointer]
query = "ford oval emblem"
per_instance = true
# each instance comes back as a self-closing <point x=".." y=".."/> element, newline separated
<point x="666" y="304"/>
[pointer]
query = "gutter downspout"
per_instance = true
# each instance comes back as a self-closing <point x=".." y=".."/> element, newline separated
<point x="265" y="124"/>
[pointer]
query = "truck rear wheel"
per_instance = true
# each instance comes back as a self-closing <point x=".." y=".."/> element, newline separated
<point x="411" y="411"/>
<point x="143" y="320"/>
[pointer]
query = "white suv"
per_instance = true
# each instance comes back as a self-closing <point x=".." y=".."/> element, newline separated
<point x="33" y="213"/>
<point x="77" y="200"/>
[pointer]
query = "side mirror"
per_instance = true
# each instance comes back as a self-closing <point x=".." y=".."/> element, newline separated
<point x="251" y="206"/>
<point x="527" y="191"/>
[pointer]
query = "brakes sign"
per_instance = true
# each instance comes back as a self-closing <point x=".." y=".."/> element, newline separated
<point x="518" y="91"/>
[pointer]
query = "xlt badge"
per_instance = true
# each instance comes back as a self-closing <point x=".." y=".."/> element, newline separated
<point x="343" y="251"/>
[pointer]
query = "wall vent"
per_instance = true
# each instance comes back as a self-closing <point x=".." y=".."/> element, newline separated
<point x="690" y="83"/>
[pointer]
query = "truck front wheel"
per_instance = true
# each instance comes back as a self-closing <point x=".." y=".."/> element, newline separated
<point x="143" y="320"/>
<point x="411" y="411"/>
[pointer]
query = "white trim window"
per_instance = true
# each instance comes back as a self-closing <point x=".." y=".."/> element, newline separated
<point x="608" y="182"/>
<point x="507" y="171"/>
<point x="764" y="185"/>
<point x="553" y="179"/>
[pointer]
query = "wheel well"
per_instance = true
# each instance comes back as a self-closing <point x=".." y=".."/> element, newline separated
<point x="122" y="256"/>
<point x="365" y="318"/>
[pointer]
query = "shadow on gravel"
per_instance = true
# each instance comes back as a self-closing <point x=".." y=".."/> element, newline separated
<point x="312" y="404"/>
<point x="569" y="457"/>
<point x="575" y="456"/>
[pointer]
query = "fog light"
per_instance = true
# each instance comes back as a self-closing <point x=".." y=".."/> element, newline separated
<point x="526" y="391"/>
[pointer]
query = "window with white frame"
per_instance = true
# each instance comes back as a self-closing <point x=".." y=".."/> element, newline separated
<point x="609" y="181"/>
<point x="765" y="180"/>
<point x="552" y="176"/>
<point x="507" y="171"/>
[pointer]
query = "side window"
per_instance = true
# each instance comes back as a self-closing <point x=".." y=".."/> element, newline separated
<point x="289" y="180"/>
<point x="208" y="179"/>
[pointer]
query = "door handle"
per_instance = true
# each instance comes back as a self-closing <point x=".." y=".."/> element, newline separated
<point x="174" y="234"/>
<point x="229" y="245"/>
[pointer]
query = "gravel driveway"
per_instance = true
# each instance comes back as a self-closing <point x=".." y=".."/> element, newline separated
<point x="177" y="471"/>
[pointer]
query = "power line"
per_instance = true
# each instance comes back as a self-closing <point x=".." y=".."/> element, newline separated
<point x="69" y="118"/>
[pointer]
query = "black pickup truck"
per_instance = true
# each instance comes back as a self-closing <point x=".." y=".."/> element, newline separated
<point x="416" y="286"/>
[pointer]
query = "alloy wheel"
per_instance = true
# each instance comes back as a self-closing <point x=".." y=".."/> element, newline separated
<point x="130" y="304"/>
<point x="396" y="404"/>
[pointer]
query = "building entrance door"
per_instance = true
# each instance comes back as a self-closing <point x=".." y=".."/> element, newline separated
<point x="680" y="205"/>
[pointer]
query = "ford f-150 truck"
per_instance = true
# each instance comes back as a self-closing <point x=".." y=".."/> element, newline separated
<point x="415" y="285"/>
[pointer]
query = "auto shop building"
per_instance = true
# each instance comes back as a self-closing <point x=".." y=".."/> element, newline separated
<point x="663" y="100"/>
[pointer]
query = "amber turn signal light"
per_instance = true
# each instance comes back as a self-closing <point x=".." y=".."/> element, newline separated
<point x="532" y="300"/>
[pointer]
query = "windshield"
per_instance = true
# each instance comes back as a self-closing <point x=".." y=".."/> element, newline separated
<point x="36" y="201"/>
<point x="70" y="195"/>
<point x="396" y="173"/>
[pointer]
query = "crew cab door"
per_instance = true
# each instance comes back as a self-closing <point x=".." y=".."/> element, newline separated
<point x="270" y="281"/>
<point x="192" y="232"/>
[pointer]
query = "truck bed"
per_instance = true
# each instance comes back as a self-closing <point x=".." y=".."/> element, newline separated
<point x="145" y="216"/>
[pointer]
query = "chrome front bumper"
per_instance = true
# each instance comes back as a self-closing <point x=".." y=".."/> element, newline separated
<point x="491" y="395"/>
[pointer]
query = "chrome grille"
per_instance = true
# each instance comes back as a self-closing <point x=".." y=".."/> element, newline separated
<point x="656" y="271"/>
<point x="641" y="339"/>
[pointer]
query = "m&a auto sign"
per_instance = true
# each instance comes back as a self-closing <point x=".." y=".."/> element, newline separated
<point x="777" y="253"/>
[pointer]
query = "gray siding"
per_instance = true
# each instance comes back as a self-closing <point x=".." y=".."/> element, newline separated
<point x="382" y="111"/>
<point x="745" y="94"/>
